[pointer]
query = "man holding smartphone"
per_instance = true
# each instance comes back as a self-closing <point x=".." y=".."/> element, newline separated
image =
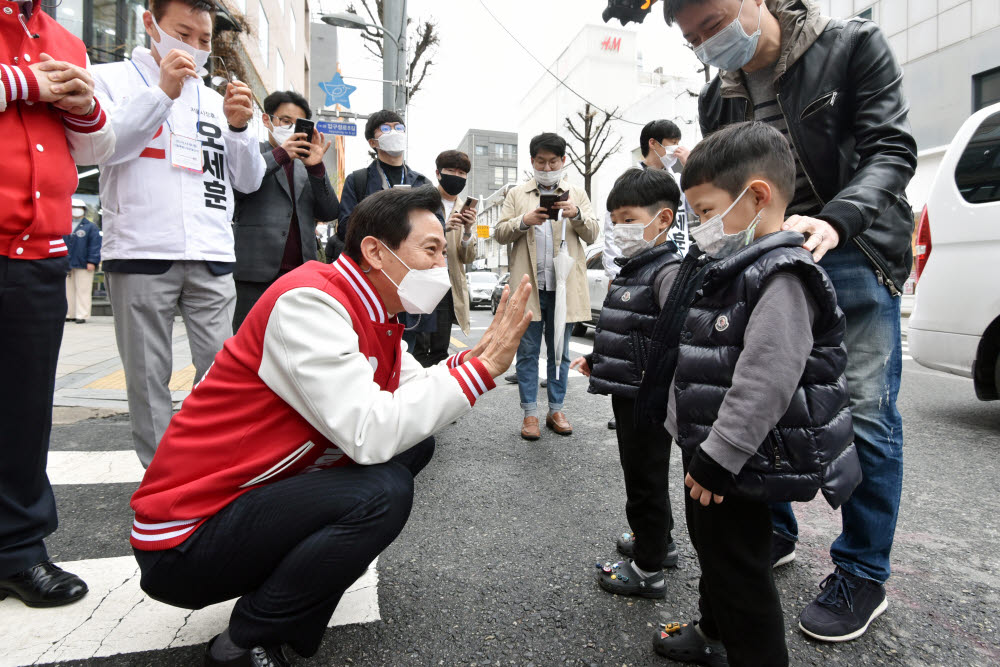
<point x="536" y="233"/>
<point x="274" y="227"/>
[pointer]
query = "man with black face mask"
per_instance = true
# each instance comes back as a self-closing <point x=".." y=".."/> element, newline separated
<point x="431" y="346"/>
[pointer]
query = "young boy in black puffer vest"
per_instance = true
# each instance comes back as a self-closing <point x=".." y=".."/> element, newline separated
<point x="754" y="361"/>
<point x="642" y="205"/>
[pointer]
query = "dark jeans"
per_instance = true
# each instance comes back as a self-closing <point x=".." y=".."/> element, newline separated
<point x="247" y="295"/>
<point x="645" y="457"/>
<point x="32" y="314"/>
<point x="289" y="550"/>
<point x="739" y="603"/>
<point x="431" y="347"/>
<point x="874" y="368"/>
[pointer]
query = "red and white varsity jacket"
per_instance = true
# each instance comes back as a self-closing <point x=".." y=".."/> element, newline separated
<point x="41" y="143"/>
<point x="315" y="377"/>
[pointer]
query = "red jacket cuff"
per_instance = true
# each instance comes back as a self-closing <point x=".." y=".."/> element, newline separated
<point x="19" y="83"/>
<point x="92" y="122"/>
<point x="473" y="378"/>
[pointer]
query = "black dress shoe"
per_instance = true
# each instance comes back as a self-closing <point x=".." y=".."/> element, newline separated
<point x="255" y="657"/>
<point x="44" y="585"/>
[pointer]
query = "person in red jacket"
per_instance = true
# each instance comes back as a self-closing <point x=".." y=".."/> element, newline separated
<point x="290" y="466"/>
<point x="49" y="120"/>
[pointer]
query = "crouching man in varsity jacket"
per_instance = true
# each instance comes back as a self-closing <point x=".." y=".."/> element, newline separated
<point x="290" y="466"/>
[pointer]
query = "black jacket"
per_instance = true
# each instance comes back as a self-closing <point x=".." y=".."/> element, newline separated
<point x="262" y="218"/>
<point x="628" y="317"/>
<point x="811" y="447"/>
<point x="840" y="90"/>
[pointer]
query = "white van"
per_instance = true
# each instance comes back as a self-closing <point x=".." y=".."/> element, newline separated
<point x="955" y="325"/>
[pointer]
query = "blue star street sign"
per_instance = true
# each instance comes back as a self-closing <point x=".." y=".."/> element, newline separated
<point x="337" y="92"/>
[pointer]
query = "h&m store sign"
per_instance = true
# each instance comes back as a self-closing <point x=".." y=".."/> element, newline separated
<point x="612" y="44"/>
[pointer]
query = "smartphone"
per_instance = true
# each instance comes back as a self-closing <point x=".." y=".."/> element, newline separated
<point x="470" y="202"/>
<point x="548" y="202"/>
<point x="305" y="125"/>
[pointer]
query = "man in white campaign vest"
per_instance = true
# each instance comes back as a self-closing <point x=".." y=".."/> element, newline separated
<point x="167" y="194"/>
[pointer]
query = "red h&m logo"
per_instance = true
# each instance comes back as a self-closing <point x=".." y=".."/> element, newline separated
<point x="612" y="44"/>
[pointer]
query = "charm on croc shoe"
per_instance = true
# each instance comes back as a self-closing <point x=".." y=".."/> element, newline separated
<point x="622" y="578"/>
<point x="614" y="576"/>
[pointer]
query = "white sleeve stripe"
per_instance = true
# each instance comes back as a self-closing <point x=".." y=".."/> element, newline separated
<point x="475" y="374"/>
<point x="11" y="83"/>
<point x="81" y="122"/>
<point x="160" y="536"/>
<point x="468" y="382"/>
<point x="162" y="526"/>
<point x="24" y="83"/>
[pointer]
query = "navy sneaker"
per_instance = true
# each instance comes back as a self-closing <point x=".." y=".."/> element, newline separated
<point x="844" y="609"/>
<point x="782" y="550"/>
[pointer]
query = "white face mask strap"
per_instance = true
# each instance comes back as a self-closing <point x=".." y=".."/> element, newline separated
<point x="397" y="258"/>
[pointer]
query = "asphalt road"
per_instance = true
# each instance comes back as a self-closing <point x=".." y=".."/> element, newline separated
<point x="496" y="565"/>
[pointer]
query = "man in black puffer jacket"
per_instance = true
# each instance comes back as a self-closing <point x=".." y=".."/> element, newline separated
<point x="642" y="205"/>
<point x="758" y="401"/>
<point x="835" y="90"/>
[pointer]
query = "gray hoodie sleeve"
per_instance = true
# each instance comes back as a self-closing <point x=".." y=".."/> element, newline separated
<point x="776" y="345"/>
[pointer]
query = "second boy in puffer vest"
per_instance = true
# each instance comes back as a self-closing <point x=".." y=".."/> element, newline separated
<point x="642" y="204"/>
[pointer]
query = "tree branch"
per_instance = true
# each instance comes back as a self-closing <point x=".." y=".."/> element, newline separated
<point x="415" y="87"/>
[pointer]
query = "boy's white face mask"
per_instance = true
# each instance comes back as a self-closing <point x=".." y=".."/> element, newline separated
<point x="630" y="237"/>
<point x="712" y="238"/>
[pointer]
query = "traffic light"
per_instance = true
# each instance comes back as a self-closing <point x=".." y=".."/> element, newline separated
<point x="627" y="10"/>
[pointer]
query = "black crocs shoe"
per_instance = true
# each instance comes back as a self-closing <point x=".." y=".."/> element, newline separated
<point x="626" y="547"/>
<point x="621" y="579"/>
<point x="683" y="643"/>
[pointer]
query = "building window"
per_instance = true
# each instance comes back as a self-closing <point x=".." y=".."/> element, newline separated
<point x="279" y="71"/>
<point x="498" y="175"/>
<point x="512" y="174"/>
<point x="512" y="150"/>
<point x="293" y="29"/>
<point x="482" y="150"/>
<point x="985" y="89"/>
<point x="978" y="172"/>
<point x="498" y="150"/>
<point x="264" y="33"/>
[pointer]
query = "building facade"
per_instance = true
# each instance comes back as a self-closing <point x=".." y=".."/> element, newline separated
<point x="494" y="161"/>
<point x="951" y="67"/>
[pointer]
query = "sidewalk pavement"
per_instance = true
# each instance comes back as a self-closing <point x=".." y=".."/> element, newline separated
<point x="90" y="380"/>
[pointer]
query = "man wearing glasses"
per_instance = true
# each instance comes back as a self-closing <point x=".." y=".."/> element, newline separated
<point x="386" y="134"/>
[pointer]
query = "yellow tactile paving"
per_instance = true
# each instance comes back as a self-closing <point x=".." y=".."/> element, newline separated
<point x="457" y="343"/>
<point x="180" y="380"/>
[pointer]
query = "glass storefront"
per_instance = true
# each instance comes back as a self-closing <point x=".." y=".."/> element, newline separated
<point x="109" y="28"/>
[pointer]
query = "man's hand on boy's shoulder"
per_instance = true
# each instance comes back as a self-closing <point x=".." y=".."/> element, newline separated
<point x="821" y="237"/>
<point x="707" y="480"/>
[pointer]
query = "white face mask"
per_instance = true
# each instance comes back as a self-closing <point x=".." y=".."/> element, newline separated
<point x="78" y="213"/>
<point x="282" y="133"/>
<point x="549" y="179"/>
<point x="731" y="48"/>
<point x="668" y="159"/>
<point x="392" y="143"/>
<point x="167" y="43"/>
<point x="712" y="238"/>
<point x="420" y="290"/>
<point x="629" y="237"/>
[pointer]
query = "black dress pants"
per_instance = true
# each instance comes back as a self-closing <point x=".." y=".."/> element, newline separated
<point x="247" y="295"/>
<point x="739" y="602"/>
<point x="289" y="550"/>
<point x="32" y="317"/>
<point x="645" y="458"/>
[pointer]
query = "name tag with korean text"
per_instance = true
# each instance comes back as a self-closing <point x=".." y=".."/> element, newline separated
<point x="185" y="153"/>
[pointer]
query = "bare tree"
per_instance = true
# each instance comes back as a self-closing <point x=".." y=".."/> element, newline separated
<point x="593" y="134"/>
<point x="424" y="36"/>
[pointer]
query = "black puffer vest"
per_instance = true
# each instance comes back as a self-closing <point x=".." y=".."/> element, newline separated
<point x="811" y="448"/>
<point x="629" y="313"/>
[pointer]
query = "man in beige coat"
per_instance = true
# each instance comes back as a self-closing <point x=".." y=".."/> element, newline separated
<point x="429" y="337"/>
<point x="535" y="239"/>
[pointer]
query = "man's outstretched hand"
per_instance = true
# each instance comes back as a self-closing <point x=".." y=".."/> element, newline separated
<point x="497" y="347"/>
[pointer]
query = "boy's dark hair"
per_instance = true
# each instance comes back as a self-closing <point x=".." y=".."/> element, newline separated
<point x="651" y="189"/>
<point x="379" y="117"/>
<point x="159" y="7"/>
<point x="386" y="216"/>
<point x="658" y="130"/>
<point x="730" y="157"/>
<point x="276" y="99"/>
<point x="671" y="7"/>
<point x="453" y="160"/>
<point x="547" y="141"/>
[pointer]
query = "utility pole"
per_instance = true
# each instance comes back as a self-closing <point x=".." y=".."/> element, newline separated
<point x="394" y="55"/>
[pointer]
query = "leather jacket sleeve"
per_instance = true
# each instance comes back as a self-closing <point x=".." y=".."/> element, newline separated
<point x="884" y="145"/>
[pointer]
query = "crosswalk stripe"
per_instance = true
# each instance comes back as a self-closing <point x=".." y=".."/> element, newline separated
<point x="115" y="467"/>
<point x="117" y="617"/>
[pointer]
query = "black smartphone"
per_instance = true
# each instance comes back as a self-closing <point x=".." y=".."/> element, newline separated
<point x="305" y="125"/>
<point x="470" y="202"/>
<point x="548" y="202"/>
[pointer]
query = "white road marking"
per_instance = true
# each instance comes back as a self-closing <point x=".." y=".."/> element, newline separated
<point x="114" y="467"/>
<point x="117" y="617"/>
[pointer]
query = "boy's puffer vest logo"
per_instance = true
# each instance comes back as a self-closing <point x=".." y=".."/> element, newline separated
<point x="722" y="323"/>
<point x="626" y="296"/>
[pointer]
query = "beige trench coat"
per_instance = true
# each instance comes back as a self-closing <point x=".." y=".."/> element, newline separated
<point x="458" y="257"/>
<point x="580" y="231"/>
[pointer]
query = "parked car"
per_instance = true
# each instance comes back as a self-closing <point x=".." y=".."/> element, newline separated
<point x="481" y="284"/>
<point x="955" y="325"/>
<point x="498" y="292"/>
<point x="597" y="285"/>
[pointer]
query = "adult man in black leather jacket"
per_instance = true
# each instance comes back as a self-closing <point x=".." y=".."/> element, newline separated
<point x="834" y="89"/>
